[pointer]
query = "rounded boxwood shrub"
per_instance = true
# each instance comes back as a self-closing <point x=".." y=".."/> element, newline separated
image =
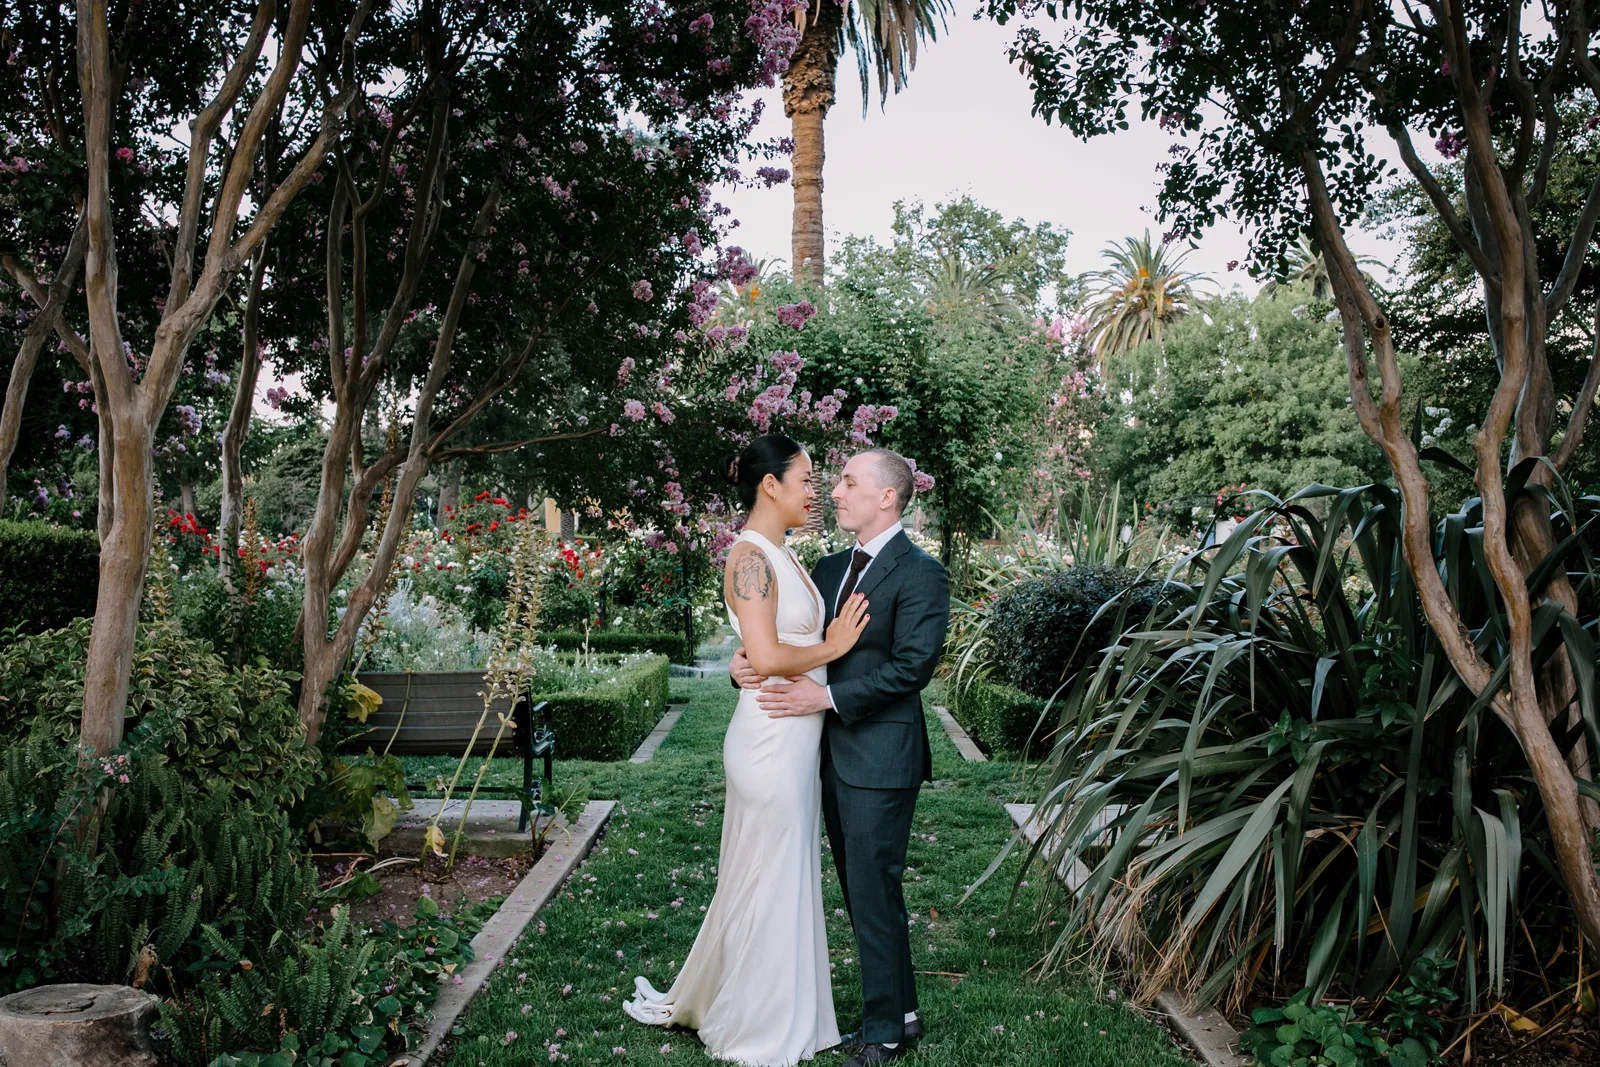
<point x="1044" y="629"/>
<point x="49" y="575"/>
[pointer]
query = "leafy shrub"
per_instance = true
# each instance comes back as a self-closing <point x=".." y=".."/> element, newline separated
<point x="999" y="718"/>
<point x="213" y="722"/>
<point x="49" y="575"/>
<point x="1300" y="1035"/>
<point x="338" y="998"/>
<point x="1415" y="1008"/>
<point x="200" y="606"/>
<point x="601" y="710"/>
<point x="176" y="853"/>
<point x="1044" y="629"/>
<point x="1280" y="777"/>
<point x="674" y="646"/>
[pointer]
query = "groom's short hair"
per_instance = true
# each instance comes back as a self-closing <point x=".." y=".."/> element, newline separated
<point x="893" y="472"/>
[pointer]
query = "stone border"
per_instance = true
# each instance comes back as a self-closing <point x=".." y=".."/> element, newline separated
<point x="500" y="933"/>
<point x="1203" y="1028"/>
<point x="959" y="737"/>
<point x="647" y="748"/>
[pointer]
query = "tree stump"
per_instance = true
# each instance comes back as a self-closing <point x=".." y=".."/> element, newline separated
<point x="77" y="1025"/>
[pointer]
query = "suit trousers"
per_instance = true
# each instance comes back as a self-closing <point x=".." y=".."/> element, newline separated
<point x="869" y="830"/>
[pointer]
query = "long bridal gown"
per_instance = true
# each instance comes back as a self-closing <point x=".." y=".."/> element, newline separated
<point x="756" y="984"/>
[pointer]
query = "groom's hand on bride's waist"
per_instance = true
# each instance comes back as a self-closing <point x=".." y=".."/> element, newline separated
<point x="801" y="696"/>
<point x="744" y="675"/>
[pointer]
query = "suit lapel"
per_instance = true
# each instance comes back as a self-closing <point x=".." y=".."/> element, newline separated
<point x="827" y="575"/>
<point x="886" y="562"/>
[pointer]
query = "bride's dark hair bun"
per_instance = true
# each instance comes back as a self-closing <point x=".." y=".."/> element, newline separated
<point x="768" y="454"/>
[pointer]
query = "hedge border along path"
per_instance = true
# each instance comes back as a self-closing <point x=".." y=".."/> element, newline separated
<point x="558" y="995"/>
<point x="500" y="933"/>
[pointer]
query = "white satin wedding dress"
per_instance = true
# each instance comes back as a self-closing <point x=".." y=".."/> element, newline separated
<point x="756" y="984"/>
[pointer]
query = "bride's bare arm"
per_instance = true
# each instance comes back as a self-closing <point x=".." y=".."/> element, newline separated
<point x="751" y="589"/>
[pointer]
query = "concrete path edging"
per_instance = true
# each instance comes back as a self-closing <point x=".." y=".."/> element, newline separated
<point x="647" y="748"/>
<point x="959" y="737"/>
<point x="499" y="935"/>
<point x="1203" y="1027"/>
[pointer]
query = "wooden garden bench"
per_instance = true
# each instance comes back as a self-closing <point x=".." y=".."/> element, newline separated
<point x="433" y="713"/>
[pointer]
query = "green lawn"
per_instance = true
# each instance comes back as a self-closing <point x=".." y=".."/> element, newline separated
<point x="635" y="905"/>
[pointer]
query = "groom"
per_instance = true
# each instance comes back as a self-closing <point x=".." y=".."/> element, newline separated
<point x="875" y="753"/>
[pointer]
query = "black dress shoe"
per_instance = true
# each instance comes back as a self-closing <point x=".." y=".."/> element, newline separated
<point x="870" y="1054"/>
<point x="852" y="1041"/>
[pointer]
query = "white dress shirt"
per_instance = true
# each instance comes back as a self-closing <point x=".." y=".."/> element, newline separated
<point x="871" y="548"/>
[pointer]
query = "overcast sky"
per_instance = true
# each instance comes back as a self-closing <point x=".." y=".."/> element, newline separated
<point x="963" y="125"/>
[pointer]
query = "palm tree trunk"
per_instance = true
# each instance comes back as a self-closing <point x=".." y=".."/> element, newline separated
<point x="807" y="94"/>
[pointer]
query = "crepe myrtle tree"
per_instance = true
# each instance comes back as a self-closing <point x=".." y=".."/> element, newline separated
<point x="1272" y="107"/>
<point x="161" y="67"/>
<point x="229" y="104"/>
<point x="522" y="202"/>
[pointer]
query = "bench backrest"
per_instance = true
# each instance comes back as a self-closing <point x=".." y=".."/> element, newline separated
<point x="440" y="710"/>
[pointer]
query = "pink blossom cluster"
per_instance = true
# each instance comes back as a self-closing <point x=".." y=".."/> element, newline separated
<point x="921" y="482"/>
<point x="735" y="266"/>
<point x="771" y="26"/>
<point x="703" y="304"/>
<point x="771" y="176"/>
<point x="86" y="389"/>
<point x="1451" y="144"/>
<point x="624" y="370"/>
<point x="732" y="336"/>
<point x="796" y="315"/>
<point x="561" y="192"/>
<point x="691" y="239"/>
<point x="867" y="419"/>
<point x="642" y="290"/>
<point x="674" y="503"/>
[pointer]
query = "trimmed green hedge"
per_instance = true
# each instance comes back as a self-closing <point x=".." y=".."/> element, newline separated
<point x="674" y="646"/>
<point x="998" y="717"/>
<point x="49" y="575"/>
<point x="608" y="720"/>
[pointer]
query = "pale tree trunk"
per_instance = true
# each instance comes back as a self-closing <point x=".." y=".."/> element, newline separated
<point x="44" y="325"/>
<point x="1385" y="421"/>
<point x="130" y="409"/>
<point x="808" y="89"/>
<point x="1499" y="241"/>
<point x="449" y="492"/>
<point x="233" y="435"/>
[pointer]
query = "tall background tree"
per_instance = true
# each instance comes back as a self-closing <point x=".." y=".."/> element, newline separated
<point x="884" y="35"/>
<point x="1271" y="107"/>
<point x="1246" y="394"/>
<point x="1142" y="290"/>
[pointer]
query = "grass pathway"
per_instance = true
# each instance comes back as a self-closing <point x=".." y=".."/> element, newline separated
<point x="635" y="905"/>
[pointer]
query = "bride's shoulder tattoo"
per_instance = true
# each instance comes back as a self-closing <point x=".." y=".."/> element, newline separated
<point x="752" y="576"/>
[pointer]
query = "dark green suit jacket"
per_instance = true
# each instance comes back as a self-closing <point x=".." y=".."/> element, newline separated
<point x="875" y="735"/>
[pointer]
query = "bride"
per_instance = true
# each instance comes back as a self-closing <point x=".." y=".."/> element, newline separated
<point x="756" y="984"/>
